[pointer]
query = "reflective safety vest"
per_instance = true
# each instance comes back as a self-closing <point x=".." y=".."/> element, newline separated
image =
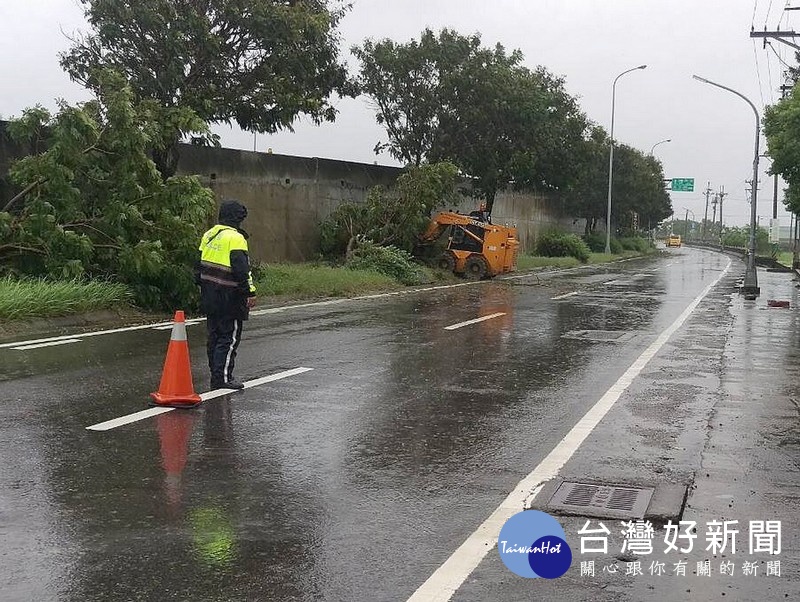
<point x="215" y="259"/>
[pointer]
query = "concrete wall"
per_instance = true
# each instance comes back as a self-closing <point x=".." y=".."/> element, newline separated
<point x="288" y="196"/>
<point x="533" y="214"/>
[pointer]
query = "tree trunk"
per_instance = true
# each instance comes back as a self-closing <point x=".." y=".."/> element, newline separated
<point x="490" y="196"/>
<point x="166" y="160"/>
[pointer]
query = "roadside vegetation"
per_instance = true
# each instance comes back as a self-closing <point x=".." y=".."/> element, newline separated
<point x="26" y="299"/>
<point x="308" y="281"/>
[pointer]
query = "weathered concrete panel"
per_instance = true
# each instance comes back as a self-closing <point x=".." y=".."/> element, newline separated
<point x="286" y="196"/>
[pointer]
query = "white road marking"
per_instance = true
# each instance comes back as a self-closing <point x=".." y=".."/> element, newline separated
<point x="449" y="577"/>
<point x="475" y="321"/>
<point x="123" y="420"/>
<point x="50" y="344"/>
<point x="564" y="296"/>
<point x="98" y="333"/>
<point x="272" y="377"/>
<point x="112" y="424"/>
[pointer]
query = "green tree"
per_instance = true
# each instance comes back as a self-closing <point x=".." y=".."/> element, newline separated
<point x="637" y="189"/>
<point x="258" y="63"/>
<point x="448" y="98"/>
<point x="638" y="186"/>
<point x="587" y="196"/>
<point x="94" y="204"/>
<point x="391" y="217"/>
<point x="782" y="130"/>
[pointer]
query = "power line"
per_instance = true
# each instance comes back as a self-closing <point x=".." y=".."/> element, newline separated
<point x="769" y="10"/>
<point x="783" y="62"/>
<point x="771" y="89"/>
<point x="783" y="14"/>
<point x="758" y="72"/>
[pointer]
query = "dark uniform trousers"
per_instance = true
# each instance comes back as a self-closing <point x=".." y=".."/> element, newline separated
<point x="224" y="335"/>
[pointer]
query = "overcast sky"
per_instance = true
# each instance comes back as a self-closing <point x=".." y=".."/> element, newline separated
<point x="588" y="42"/>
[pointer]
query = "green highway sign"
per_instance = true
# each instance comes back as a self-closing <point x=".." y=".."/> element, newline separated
<point x="682" y="185"/>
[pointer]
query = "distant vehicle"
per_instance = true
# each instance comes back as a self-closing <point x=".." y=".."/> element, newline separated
<point x="674" y="240"/>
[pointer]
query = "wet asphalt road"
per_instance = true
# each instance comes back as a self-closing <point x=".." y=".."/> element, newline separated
<point x="354" y="481"/>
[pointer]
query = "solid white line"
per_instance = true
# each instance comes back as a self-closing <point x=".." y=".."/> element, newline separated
<point x="50" y="344"/>
<point x="483" y="319"/>
<point x="83" y="335"/>
<point x="123" y="420"/>
<point x="268" y="379"/>
<point x="572" y="294"/>
<point x="449" y="577"/>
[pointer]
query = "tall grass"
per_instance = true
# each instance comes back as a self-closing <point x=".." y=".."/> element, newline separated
<point x="309" y="281"/>
<point x="24" y="299"/>
<point x="529" y="262"/>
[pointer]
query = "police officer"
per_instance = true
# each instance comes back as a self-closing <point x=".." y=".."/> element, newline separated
<point x="227" y="292"/>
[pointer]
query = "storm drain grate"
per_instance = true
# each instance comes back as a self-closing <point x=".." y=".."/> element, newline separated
<point x="604" y="501"/>
<point x="599" y="336"/>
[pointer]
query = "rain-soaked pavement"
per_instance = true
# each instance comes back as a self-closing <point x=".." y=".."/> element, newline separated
<point x="358" y="479"/>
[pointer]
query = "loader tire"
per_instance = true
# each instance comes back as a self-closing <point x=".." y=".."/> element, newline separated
<point x="446" y="262"/>
<point x="476" y="268"/>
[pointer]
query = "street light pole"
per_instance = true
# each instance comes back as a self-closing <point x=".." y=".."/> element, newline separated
<point x="657" y="143"/>
<point x="611" y="156"/>
<point x="750" y="288"/>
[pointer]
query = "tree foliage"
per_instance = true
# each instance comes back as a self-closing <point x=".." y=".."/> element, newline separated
<point x="448" y="98"/>
<point x="782" y="129"/>
<point x="637" y="185"/>
<point x="740" y="237"/>
<point x="95" y="203"/>
<point x="258" y="63"/>
<point x="391" y="217"/>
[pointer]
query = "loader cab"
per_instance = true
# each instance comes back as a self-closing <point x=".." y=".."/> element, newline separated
<point x="461" y="241"/>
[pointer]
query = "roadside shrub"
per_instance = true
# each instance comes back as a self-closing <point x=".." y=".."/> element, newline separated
<point x="559" y="244"/>
<point x="388" y="260"/>
<point x="596" y="242"/>
<point x="616" y="247"/>
<point x="635" y="243"/>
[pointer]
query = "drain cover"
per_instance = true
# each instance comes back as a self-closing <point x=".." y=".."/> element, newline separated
<point x="603" y="501"/>
<point x="599" y="336"/>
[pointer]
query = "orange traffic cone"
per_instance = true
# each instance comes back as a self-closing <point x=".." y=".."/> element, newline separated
<point x="176" y="388"/>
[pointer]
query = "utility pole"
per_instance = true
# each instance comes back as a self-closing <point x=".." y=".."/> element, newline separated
<point x="796" y="248"/>
<point x="722" y="195"/>
<point x="714" y="218"/>
<point x="686" y="225"/>
<point x="705" y="217"/>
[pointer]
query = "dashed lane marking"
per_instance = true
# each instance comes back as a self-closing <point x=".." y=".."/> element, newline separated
<point x="475" y="321"/>
<point x="564" y="296"/>
<point x="123" y="420"/>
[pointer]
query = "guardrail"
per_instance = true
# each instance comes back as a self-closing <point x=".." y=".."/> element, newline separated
<point x="765" y="262"/>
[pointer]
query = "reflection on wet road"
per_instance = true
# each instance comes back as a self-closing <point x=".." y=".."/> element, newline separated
<point x="353" y="481"/>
